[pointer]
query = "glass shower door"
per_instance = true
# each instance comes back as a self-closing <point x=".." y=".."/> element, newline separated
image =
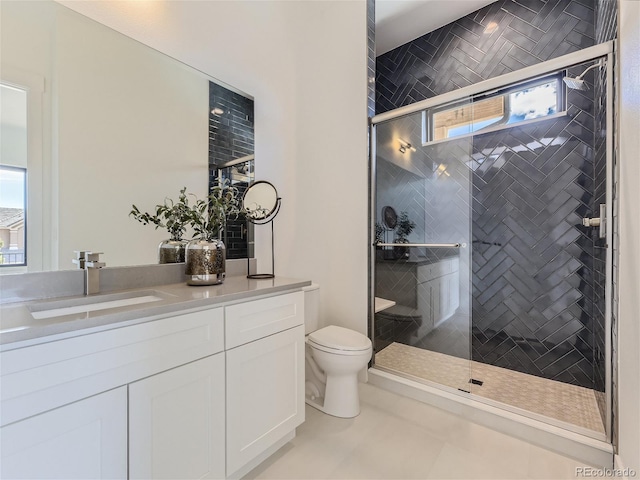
<point x="422" y="259"/>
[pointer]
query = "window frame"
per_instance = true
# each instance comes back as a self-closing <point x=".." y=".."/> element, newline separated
<point x="428" y="123"/>
<point x="41" y="206"/>
<point x="24" y="215"/>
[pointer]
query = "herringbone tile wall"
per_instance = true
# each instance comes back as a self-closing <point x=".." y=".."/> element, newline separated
<point x="371" y="57"/>
<point x="533" y="286"/>
<point x="533" y="299"/>
<point x="532" y="261"/>
<point x="502" y="37"/>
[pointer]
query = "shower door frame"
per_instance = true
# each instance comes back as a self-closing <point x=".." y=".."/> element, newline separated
<point x="603" y="50"/>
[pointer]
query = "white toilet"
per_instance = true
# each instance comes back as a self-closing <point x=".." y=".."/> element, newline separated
<point x="334" y="356"/>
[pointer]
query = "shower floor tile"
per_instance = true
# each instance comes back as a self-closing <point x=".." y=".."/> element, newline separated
<point x="557" y="400"/>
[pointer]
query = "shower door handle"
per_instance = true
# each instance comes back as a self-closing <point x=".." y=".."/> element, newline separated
<point x="430" y="245"/>
<point x="600" y="221"/>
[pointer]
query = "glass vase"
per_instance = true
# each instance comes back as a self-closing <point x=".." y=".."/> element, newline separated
<point x="205" y="262"/>
<point x="172" y="251"/>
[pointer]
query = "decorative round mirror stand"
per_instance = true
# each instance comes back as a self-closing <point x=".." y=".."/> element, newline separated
<point x="261" y="204"/>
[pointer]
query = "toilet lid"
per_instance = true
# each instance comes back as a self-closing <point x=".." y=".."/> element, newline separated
<point x="339" y="338"/>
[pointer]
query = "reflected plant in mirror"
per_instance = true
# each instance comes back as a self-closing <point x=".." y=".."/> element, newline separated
<point x="206" y="254"/>
<point x="209" y="217"/>
<point x="403" y="230"/>
<point x="260" y="201"/>
<point x="379" y="234"/>
<point x="174" y="217"/>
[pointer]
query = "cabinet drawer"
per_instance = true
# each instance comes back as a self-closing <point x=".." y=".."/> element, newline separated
<point x="435" y="270"/>
<point x="42" y="377"/>
<point x="429" y="272"/>
<point x="246" y="322"/>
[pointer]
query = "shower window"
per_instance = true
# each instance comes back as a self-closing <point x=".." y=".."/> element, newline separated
<point x="538" y="99"/>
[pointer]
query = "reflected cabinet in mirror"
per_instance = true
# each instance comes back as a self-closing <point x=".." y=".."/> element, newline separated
<point x="108" y="122"/>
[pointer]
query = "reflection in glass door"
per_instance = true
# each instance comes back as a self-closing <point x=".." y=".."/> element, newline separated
<point x="422" y="257"/>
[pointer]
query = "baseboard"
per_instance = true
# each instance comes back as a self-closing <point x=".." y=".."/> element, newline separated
<point x="622" y="472"/>
<point x="587" y="450"/>
<point x="238" y="474"/>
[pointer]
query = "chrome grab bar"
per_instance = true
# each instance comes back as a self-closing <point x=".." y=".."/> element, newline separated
<point x="431" y="245"/>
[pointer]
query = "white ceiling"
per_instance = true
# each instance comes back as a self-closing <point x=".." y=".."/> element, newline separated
<point x="400" y="21"/>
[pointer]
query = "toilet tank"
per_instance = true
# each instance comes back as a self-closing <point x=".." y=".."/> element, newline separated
<point x="311" y="307"/>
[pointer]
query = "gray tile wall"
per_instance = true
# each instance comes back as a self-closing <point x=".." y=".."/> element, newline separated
<point x="554" y="333"/>
<point x="524" y="32"/>
<point x="371" y="57"/>
<point x="532" y="298"/>
<point x="231" y="136"/>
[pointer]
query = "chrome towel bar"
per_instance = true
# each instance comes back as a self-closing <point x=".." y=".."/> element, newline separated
<point x="430" y="245"/>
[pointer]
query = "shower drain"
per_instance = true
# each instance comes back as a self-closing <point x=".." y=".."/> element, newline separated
<point x="476" y="382"/>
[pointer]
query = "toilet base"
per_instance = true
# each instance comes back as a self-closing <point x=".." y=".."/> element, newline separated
<point x="346" y="403"/>
<point x="341" y="398"/>
<point x="319" y="407"/>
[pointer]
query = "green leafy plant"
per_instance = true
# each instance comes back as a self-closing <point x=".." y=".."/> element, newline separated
<point x="208" y="217"/>
<point x="379" y="233"/>
<point x="404" y="227"/>
<point x="173" y="216"/>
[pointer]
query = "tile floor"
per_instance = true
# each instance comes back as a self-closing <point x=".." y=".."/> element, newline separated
<point x="558" y="400"/>
<point x="399" y="438"/>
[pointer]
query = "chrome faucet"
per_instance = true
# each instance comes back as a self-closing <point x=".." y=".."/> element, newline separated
<point x="91" y="264"/>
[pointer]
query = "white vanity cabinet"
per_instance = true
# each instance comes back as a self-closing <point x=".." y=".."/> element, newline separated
<point x="205" y="394"/>
<point x="438" y="291"/>
<point x="177" y="422"/>
<point x="265" y="377"/>
<point x="82" y="440"/>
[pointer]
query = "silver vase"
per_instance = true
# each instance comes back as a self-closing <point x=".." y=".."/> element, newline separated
<point x="172" y="251"/>
<point x="205" y="262"/>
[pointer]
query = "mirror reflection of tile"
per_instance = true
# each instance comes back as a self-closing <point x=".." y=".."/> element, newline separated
<point x="231" y="140"/>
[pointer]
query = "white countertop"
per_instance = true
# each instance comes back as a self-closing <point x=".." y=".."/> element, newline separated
<point x="18" y="327"/>
<point x="382" y="304"/>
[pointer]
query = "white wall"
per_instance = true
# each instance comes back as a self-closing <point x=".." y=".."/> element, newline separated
<point x="132" y="128"/>
<point x="629" y="274"/>
<point x="331" y="228"/>
<point x="13" y="127"/>
<point x="243" y="44"/>
<point x="305" y="65"/>
<point x="122" y="124"/>
<point x="25" y="49"/>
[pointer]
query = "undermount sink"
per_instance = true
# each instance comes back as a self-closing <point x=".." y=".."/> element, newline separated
<point x="93" y="303"/>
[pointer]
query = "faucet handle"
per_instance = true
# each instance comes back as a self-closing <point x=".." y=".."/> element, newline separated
<point x="95" y="264"/>
<point x="79" y="262"/>
<point x="93" y="256"/>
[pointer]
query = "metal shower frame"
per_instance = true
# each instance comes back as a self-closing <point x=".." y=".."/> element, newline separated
<point x="603" y="50"/>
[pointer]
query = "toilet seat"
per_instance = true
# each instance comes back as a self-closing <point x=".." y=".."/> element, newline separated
<point x="339" y="341"/>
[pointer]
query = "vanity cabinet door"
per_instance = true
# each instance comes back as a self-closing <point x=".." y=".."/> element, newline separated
<point x="83" y="440"/>
<point x="177" y="422"/>
<point x="265" y="394"/>
<point x="429" y="297"/>
<point x="449" y="295"/>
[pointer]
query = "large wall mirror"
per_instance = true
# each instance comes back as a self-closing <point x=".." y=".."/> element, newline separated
<point x="108" y="122"/>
